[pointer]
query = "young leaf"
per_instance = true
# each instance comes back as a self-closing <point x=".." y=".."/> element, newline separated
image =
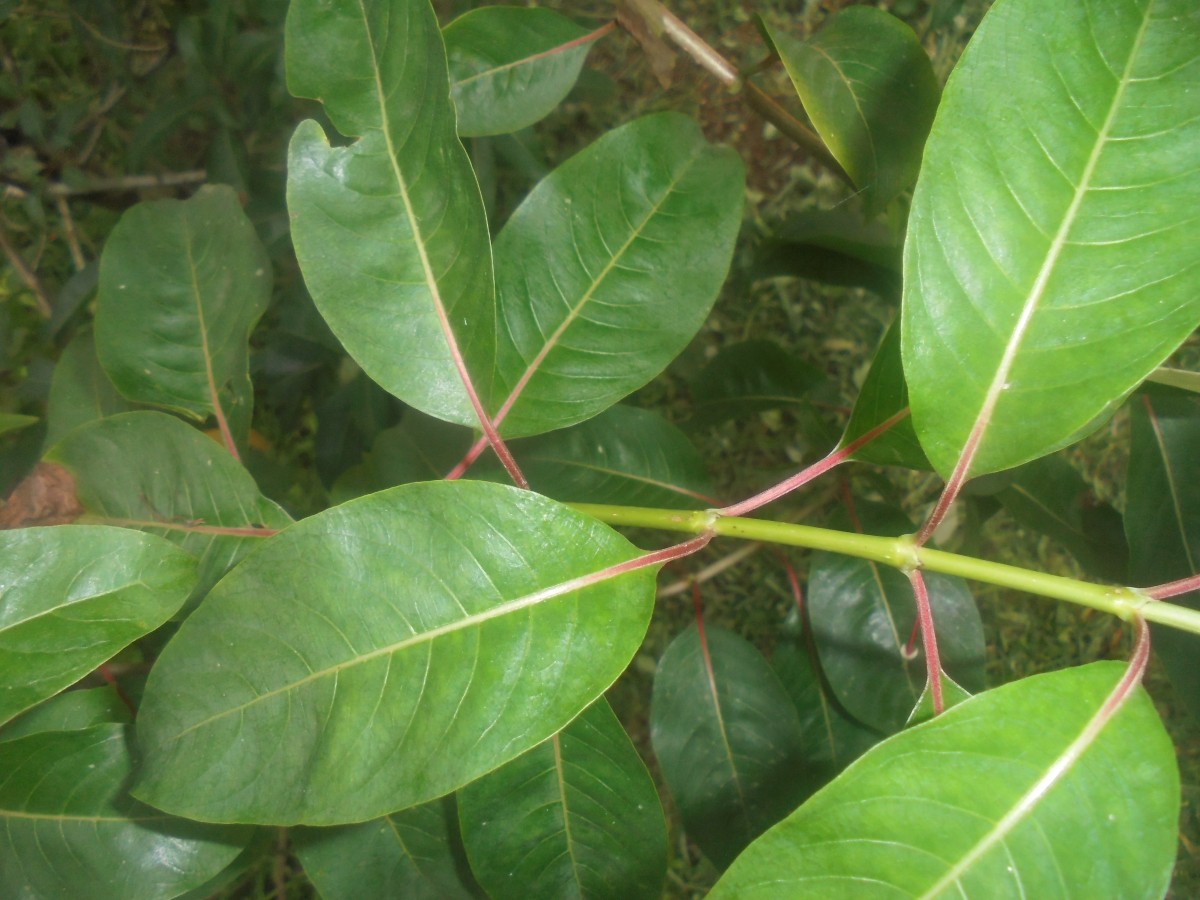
<point x="181" y="285"/>
<point x="748" y="378"/>
<point x="576" y="816"/>
<point x="390" y="230"/>
<point x="883" y="394"/>
<point x="953" y="806"/>
<point x="1049" y="265"/>
<point x="509" y="66"/>
<point x="608" y="269"/>
<point x="184" y="488"/>
<point x="1162" y="519"/>
<point x="80" y="392"/>
<point x="70" y="830"/>
<point x="415" y="853"/>
<point x="727" y="738"/>
<point x="869" y="89"/>
<point x="70" y="711"/>
<point x="74" y="595"/>
<point x="862" y="615"/>
<point x="624" y="455"/>
<point x="386" y="652"/>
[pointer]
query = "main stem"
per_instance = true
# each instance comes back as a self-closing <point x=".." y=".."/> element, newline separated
<point x="903" y="553"/>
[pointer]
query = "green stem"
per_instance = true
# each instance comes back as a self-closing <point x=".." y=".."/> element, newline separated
<point x="904" y="554"/>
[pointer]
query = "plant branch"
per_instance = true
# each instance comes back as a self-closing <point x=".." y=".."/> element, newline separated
<point x="904" y="553"/>
<point x="1173" y="588"/>
<point x="836" y="457"/>
<point x="111" y="185"/>
<point x="933" y="661"/>
<point x="25" y="273"/>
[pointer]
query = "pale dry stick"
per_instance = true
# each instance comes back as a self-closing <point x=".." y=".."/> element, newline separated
<point x="26" y="274"/>
<point x="112" y="185"/>
<point x="724" y="71"/>
<point x="69" y="233"/>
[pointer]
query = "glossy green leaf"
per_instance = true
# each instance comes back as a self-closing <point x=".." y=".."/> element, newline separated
<point x="832" y="738"/>
<point x="80" y="391"/>
<point x="182" y="283"/>
<point x="74" y="595"/>
<point x="386" y="652"/>
<point x="748" y="378"/>
<point x="832" y="247"/>
<point x="627" y="456"/>
<point x="953" y="807"/>
<point x="869" y="89"/>
<point x="576" y="816"/>
<point x="508" y="68"/>
<point x="1162" y="519"/>
<point x="10" y="422"/>
<point x="727" y="738"/>
<point x="390" y="230"/>
<point x="415" y="854"/>
<point x="953" y="694"/>
<point x="420" y="448"/>
<point x="885" y="393"/>
<point x="1050" y="496"/>
<point x="185" y="488"/>
<point x="862" y="616"/>
<point x="71" y="831"/>
<point x="70" y="711"/>
<point x="1050" y="262"/>
<point x="608" y="269"/>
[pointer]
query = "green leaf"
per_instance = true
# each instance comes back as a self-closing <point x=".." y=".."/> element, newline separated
<point x="80" y="391"/>
<point x="608" y="269"/>
<point x="1162" y="519"/>
<point x="13" y="422"/>
<point x="576" y="816"/>
<point x="832" y="247"/>
<point x="869" y="89"/>
<point x="389" y="231"/>
<point x="1050" y="262"/>
<point x="953" y="807"/>
<point x="748" y="378"/>
<point x="71" y="831"/>
<point x="386" y="652"/>
<point x="832" y="738"/>
<point x="182" y="283"/>
<point x="70" y="711"/>
<point x="624" y="455"/>
<point x="727" y="738"/>
<point x="420" y="448"/>
<point x="1050" y="496"/>
<point x="74" y="595"/>
<point x="885" y="393"/>
<point x="185" y="488"/>
<point x="416" y="853"/>
<point x="953" y="694"/>
<point x="862" y="615"/>
<point x="506" y="68"/>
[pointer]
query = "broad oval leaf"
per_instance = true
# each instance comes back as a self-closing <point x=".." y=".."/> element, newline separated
<point x="184" y="488"/>
<point x="70" y="830"/>
<point x="953" y="806"/>
<point x="74" y="595"/>
<point x="727" y="738"/>
<point x="629" y="456"/>
<point x="608" y="269"/>
<point x="80" y="391"/>
<point x="1050" y="264"/>
<point x="389" y="231"/>
<point x="182" y="283"/>
<point x="869" y="89"/>
<point x="386" y="652"/>
<point x="1162" y="519"/>
<point x="862" y="616"/>
<point x="576" y="816"/>
<point x="510" y="66"/>
<point x="415" y="854"/>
